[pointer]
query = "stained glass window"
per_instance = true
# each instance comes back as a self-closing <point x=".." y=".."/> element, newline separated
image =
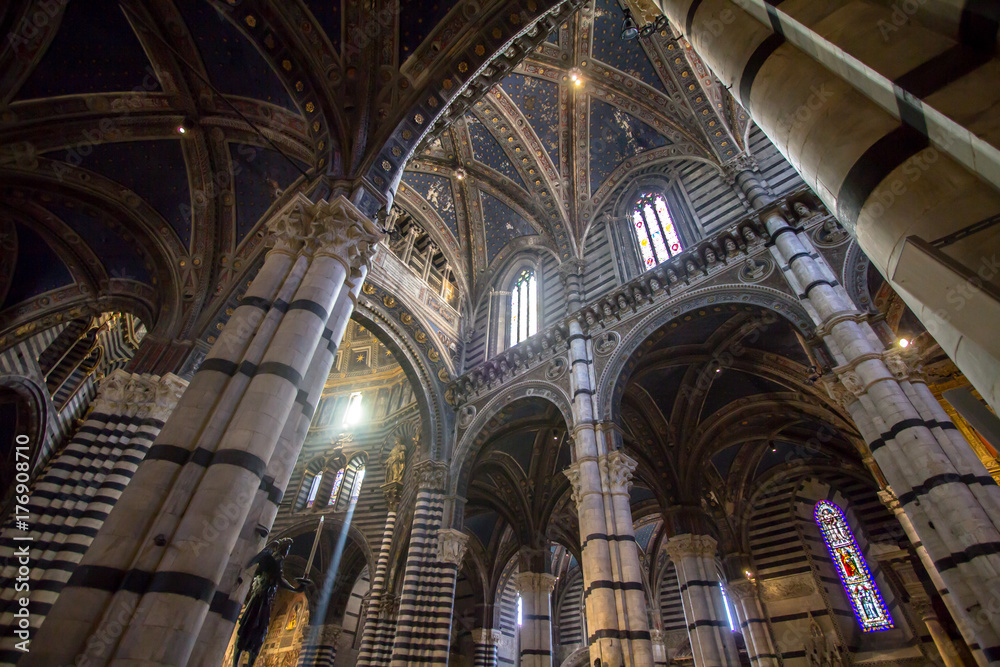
<point x="853" y="570"/>
<point x="337" y="481"/>
<point x="655" y="231"/>
<point x="523" y="307"/>
<point x="313" y="489"/>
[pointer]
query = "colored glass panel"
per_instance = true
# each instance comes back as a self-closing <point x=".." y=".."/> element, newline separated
<point x="313" y="489"/>
<point x="872" y="614"/>
<point x="337" y="481"/>
<point x="655" y="231"/>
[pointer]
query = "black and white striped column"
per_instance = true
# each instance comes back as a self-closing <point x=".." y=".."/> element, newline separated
<point x="324" y="651"/>
<point x="753" y="624"/>
<point x="160" y="597"/>
<point x="486" y="647"/>
<point x="619" y="631"/>
<point x="535" y="589"/>
<point x="229" y="596"/>
<point x="704" y="609"/>
<point x="937" y="485"/>
<point x="858" y="112"/>
<point x="80" y="486"/>
<point x="426" y="601"/>
<point x="376" y="640"/>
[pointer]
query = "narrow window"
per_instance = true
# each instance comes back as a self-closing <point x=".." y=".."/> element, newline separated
<point x="359" y="477"/>
<point x="655" y="231"/>
<point x="853" y="570"/>
<point x="314" y="489"/>
<point x="337" y="481"/>
<point x="729" y="613"/>
<point x="353" y="413"/>
<point x="523" y="307"/>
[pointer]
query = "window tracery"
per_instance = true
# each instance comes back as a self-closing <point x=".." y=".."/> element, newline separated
<point x="523" y="307"/>
<point x="654" y="229"/>
<point x="872" y="614"/>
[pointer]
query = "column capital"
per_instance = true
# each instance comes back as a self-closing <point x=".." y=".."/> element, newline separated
<point x="392" y="492"/>
<point x="534" y="582"/>
<point x="329" y="635"/>
<point x="618" y="467"/>
<point x="451" y="545"/>
<point x="484" y="636"/>
<point x="340" y="230"/>
<point x="572" y="473"/>
<point x="740" y="163"/>
<point x="742" y="589"/>
<point x="166" y="393"/>
<point x="430" y="475"/>
<point x="287" y="229"/>
<point x="682" y="546"/>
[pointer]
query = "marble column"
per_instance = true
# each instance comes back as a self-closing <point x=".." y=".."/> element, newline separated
<point x="616" y="620"/>
<point x="950" y="498"/>
<point x="704" y="609"/>
<point x="659" y="647"/>
<point x="912" y="181"/>
<point x="324" y="651"/>
<point x="376" y="639"/>
<point x="427" y="598"/>
<point x="74" y="495"/>
<point x="235" y="583"/>
<point x="486" y="647"/>
<point x="144" y="589"/>
<point x="946" y="648"/>
<point x="535" y="589"/>
<point x="750" y="613"/>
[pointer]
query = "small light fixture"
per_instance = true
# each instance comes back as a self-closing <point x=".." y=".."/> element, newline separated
<point x="181" y="129"/>
<point x="904" y="343"/>
<point x="629" y="29"/>
<point x="460" y="174"/>
<point x="718" y="370"/>
<point x="576" y="76"/>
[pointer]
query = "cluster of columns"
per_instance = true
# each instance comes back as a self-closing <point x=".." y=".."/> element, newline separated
<point x="423" y="621"/>
<point x="535" y="589"/>
<point x="160" y="584"/>
<point x="601" y="475"/>
<point x="486" y="642"/>
<point x="950" y="504"/>
<point x="694" y="557"/>
<point x="77" y="490"/>
<point x="883" y="132"/>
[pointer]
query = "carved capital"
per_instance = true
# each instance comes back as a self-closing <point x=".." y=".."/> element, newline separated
<point x="329" y="635"/>
<point x="740" y="163"/>
<point x="686" y="546"/>
<point x="656" y="636"/>
<point x="534" y="582"/>
<point x="451" y="545"/>
<point x="573" y="474"/>
<point x="286" y="231"/>
<point x="742" y="589"/>
<point x="392" y="492"/>
<point x="619" y="469"/>
<point x="111" y="394"/>
<point x="167" y="392"/>
<point x="430" y="475"/>
<point x="339" y="229"/>
<point x="485" y="637"/>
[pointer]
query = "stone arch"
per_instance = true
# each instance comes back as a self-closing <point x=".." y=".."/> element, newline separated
<point x="613" y="378"/>
<point x="578" y="658"/>
<point x="476" y="434"/>
<point x="422" y="361"/>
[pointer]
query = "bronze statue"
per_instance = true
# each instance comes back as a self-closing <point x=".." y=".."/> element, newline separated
<point x="256" y="614"/>
<point x="395" y="465"/>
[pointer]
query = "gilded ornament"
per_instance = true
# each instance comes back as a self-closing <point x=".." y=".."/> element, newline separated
<point x="251" y="20"/>
<point x="389" y="301"/>
<point x="420" y="336"/>
<point x="368" y="288"/>
<point x="406" y="319"/>
<point x="433" y="355"/>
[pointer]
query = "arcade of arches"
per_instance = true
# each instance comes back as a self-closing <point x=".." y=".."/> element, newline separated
<point x="615" y="333"/>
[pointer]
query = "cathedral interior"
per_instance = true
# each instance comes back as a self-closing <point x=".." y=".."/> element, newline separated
<point x="547" y="333"/>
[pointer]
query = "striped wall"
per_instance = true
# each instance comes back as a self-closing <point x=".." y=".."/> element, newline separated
<point x="789" y="554"/>
<point x="669" y="596"/>
<point x="779" y="175"/>
<point x="599" y="254"/>
<point x="506" y="604"/>
<point x="352" y="621"/>
<point x="569" y="613"/>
